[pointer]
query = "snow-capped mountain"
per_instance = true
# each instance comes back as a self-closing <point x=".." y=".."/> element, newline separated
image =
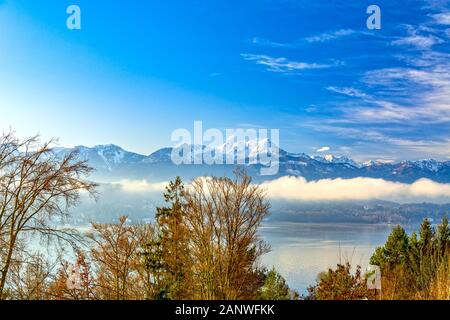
<point x="429" y="164"/>
<point x="329" y="158"/>
<point x="104" y="157"/>
<point x="112" y="163"/>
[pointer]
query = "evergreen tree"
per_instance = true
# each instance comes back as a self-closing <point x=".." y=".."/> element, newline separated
<point x="174" y="239"/>
<point x="275" y="287"/>
<point x="426" y="237"/>
<point x="377" y="258"/>
<point x="394" y="252"/>
<point x="443" y="236"/>
<point x="414" y="252"/>
<point x="152" y="260"/>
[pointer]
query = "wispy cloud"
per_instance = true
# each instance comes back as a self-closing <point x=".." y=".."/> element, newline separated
<point x="442" y="18"/>
<point x="323" y="149"/>
<point x="282" y="64"/>
<point x="436" y="146"/>
<point x="348" y="91"/>
<point x="268" y="43"/>
<point x="318" y="38"/>
<point x="332" y="35"/>
<point x="421" y="37"/>
<point x="396" y="105"/>
<point x="418" y="41"/>
<point x="397" y="102"/>
<point x="426" y="94"/>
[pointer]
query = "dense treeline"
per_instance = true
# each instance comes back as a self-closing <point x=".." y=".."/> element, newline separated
<point x="203" y="244"/>
<point x="412" y="267"/>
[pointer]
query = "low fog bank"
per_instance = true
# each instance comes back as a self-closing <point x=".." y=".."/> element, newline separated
<point x="362" y="200"/>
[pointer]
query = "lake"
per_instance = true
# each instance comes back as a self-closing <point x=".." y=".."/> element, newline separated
<point x="301" y="250"/>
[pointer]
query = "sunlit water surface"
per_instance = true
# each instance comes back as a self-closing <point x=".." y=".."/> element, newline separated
<point x="301" y="250"/>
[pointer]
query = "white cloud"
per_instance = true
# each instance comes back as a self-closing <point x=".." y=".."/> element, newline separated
<point x="442" y="18"/>
<point x="298" y="189"/>
<point x="421" y="37"/>
<point x="356" y="189"/>
<point x="323" y="149"/>
<point x="320" y="38"/>
<point x="282" y="64"/>
<point x="418" y="41"/>
<point x="352" y="92"/>
<point x="327" y="36"/>
<point x="436" y="4"/>
<point x="426" y="90"/>
<point x="265" y="42"/>
<point x="424" y="148"/>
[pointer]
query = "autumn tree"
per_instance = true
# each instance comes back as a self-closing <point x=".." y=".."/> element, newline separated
<point x="114" y="252"/>
<point x="29" y="276"/>
<point x="223" y="216"/>
<point x="340" y="284"/>
<point x="36" y="185"/>
<point x="74" y="281"/>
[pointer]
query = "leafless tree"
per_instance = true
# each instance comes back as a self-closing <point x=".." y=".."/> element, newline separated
<point x="29" y="276"/>
<point x="114" y="252"/>
<point x="36" y="185"/>
<point x="223" y="216"/>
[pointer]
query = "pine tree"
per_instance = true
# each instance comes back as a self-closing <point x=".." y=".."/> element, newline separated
<point x="394" y="251"/>
<point x="414" y="252"/>
<point x="443" y="236"/>
<point x="426" y="236"/>
<point x="173" y="235"/>
<point x="275" y="287"/>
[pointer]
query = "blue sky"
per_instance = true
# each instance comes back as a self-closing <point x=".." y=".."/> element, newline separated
<point x="137" y="70"/>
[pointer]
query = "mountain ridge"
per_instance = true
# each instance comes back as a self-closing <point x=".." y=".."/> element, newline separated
<point x="112" y="162"/>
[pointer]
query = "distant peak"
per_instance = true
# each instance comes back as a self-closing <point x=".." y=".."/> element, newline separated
<point x="107" y="146"/>
<point x="330" y="158"/>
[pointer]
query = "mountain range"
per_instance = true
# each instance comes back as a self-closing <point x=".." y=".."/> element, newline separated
<point x="112" y="163"/>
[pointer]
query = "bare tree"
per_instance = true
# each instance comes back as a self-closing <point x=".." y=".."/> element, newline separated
<point x="29" y="276"/>
<point x="223" y="216"/>
<point x="35" y="186"/>
<point x="114" y="252"/>
<point x="73" y="281"/>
